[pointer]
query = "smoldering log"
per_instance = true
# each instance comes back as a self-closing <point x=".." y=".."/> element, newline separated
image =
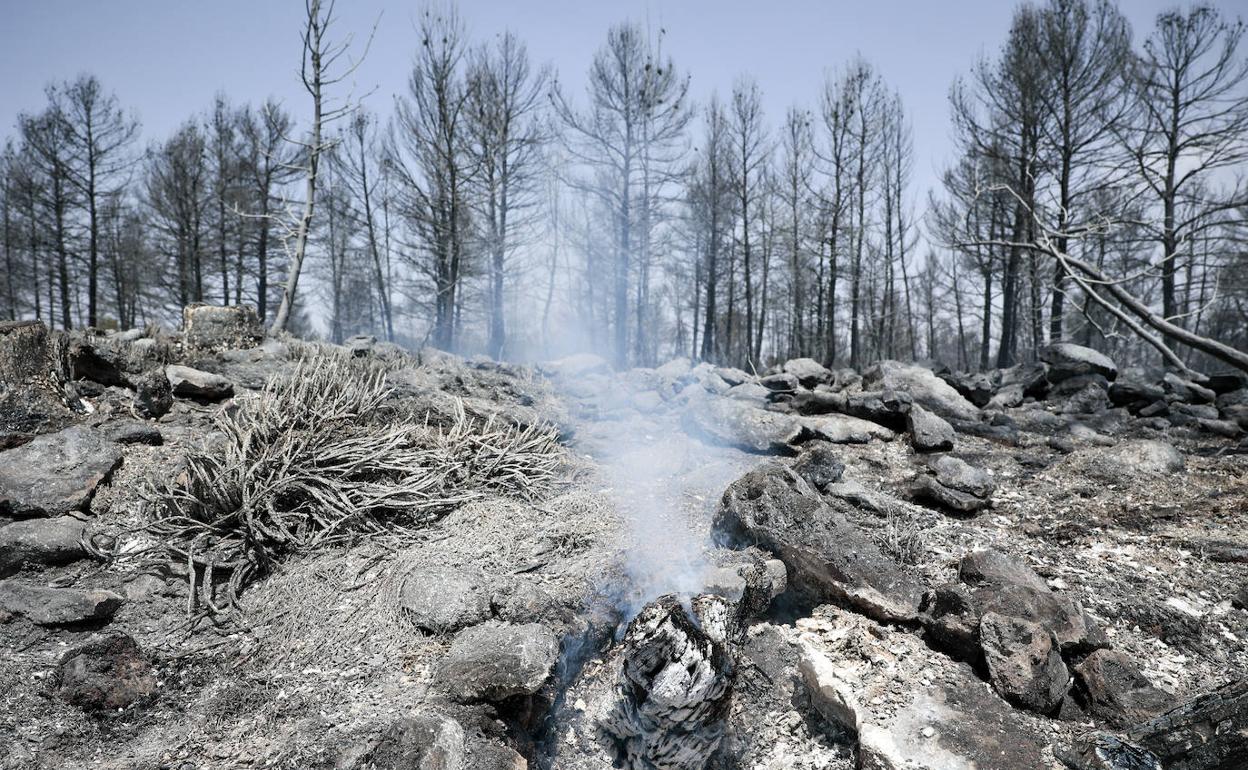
<point x="675" y="685"/>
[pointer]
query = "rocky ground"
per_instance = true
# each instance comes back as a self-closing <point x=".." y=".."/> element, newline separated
<point x="906" y="567"/>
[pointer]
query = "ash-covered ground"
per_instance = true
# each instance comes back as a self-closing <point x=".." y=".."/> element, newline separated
<point x="450" y="563"/>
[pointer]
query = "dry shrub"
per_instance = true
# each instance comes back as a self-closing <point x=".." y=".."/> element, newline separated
<point x="902" y="537"/>
<point x="318" y="459"/>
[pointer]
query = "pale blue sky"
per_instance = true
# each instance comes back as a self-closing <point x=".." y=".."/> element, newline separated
<point x="166" y="58"/>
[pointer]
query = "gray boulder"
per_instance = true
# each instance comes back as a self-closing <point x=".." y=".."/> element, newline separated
<point x="420" y="741"/>
<point x="676" y="369"/>
<point x="1132" y="459"/>
<point x="1136" y="388"/>
<point x="55" y="473"/>
<point x="105" y="673"/>
<point x="216" y="327"/>
<point x="748" y="391"/>
<point x="58" y="606"/>
<point x="1081" y="394"/>
<point x="843" y="429"/>
<point x="827" y="556"/>
<point x="1181" y="389"/>
<point x="360" y="345"/>
<point x="954" y="484"/>
<point x="733" y="422"/>
<point x="443" y="600"/>
<point x="911" y="708"/>
<point x="924" y="387"/>
<point x="978" y="387"/>
<point x="40" y="542"/>
<point x="808" y="371"/>
<point x="200" y="385"/>
<point x="1068" y="360"/>
<point x="32" y="398"/>
<point x="929" y="432"/>
<point x="576" y="366"/>
<point x="95" y="363"/>
<point x="1002" y="584"/>
<point x="495" y="661"/>
<point x="886" y="407"/>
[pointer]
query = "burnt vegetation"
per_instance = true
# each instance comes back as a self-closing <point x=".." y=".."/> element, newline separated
<point x="581" y="424"/>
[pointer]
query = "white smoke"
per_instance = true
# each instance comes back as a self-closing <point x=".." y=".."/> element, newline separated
<point x="664" y="483"/>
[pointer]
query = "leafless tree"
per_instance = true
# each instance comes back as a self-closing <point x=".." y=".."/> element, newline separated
<point x="624" y="140"/>
<point x="322" y="69"/>
<point x="100" y="137"/>
<point x="429" y="154"/>
<point x="507" y="141"/>
<point x="1190" y="135"/>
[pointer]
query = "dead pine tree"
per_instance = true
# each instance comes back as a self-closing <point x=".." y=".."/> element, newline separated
<point x="320" y="57"/>
<point x="507" y="140"/>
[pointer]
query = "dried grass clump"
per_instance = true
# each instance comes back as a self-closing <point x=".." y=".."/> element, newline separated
<point x="902" y="537"/>
<point x="318" y="459"/>
<point x="313" y="350"/>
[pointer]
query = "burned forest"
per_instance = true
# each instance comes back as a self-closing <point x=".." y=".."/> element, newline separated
<point x="638" y="386"/>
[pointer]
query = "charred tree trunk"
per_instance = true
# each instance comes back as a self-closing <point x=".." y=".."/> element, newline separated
<point x="675" y="686"/>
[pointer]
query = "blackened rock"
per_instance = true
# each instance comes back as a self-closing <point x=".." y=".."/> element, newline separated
<point x="33" y="398"/>
<point x="153" y="394"/>
<point x="135" y="432"/>
<point x="1226" y="382"/>
<point x="105" y="673"/>
<point x="1136" y="388"/>
<point x="1209" y="732"/>
<point x="1024" y="664"/>
<point x="952" y="621"/>
<point x="780" y="382"/>
<point x="55" y="473"/>
<point x="58" y="606"/>
<point x="1068" y="360"/>
<point x="926" y="489"/>
<point x="954" y="484"/>
<point x="886" y="407"/>
<point x="819" y="466"/>
<point x="40" y="542"/>
<point x="217" y="327"/>
<point x="494" y="661"/>
<point x="929" y="432"/>
<point x="1181" y="389"/>
<point x="827" y="556"/>
<point x="1000" y="583"/>
<point x="1114" y="689"/>
<point x="1101" y="751"/>
<point x="976" y="387"/>
<point x="89" y="362"/>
